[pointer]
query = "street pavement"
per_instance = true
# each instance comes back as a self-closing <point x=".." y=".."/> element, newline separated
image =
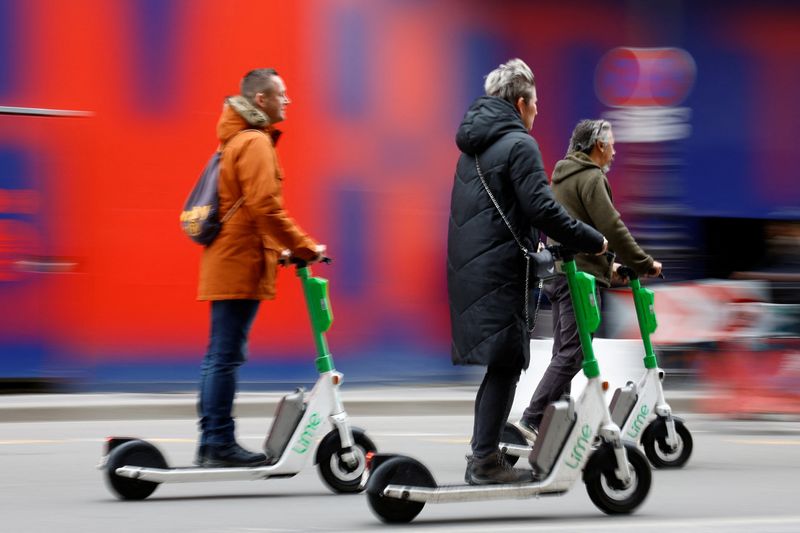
<point x="741" y="478"/>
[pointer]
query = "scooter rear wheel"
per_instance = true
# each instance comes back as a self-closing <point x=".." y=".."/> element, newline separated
<point x="654" y="442"/>
<point x="133" y="453"/>
<point x="606" y="491"/>
<point x="334" y="471"/>
<point x="399" y="470"/>
<point x="512" y="435"/>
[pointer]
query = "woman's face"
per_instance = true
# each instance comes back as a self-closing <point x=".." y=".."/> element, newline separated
<point x="528" y="110"/>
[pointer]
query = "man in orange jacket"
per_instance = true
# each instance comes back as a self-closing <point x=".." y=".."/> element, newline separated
<point x="238" y="268"/>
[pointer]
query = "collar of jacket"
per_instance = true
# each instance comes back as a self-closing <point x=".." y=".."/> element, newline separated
<point x="582" y="158"/>
<point x="253" y="116"/>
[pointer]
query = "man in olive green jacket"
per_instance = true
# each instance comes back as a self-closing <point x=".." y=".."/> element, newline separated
<point x="581" y="186"/>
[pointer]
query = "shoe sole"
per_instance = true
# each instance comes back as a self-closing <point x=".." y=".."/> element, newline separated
<point x="225" y="464"/>
<point x="472" y="480"/>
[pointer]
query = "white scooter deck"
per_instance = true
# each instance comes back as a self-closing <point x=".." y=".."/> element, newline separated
<point x="323" y="402"/>
<point x="593" y="420"/>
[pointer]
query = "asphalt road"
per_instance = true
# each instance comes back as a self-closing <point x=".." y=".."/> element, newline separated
<point x="741" y="477"/>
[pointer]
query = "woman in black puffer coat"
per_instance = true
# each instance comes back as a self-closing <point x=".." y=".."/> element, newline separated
<point x="485" y="267"/>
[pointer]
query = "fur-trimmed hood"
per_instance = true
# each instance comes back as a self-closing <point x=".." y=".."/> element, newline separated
<point x="239" y="114"/>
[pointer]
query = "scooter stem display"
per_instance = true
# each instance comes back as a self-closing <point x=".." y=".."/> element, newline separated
<point x="319" y="310"/>
<point x="587" y="313"/>
<point x="644" y="300"/>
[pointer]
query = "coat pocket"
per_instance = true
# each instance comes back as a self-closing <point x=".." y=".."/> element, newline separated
<point x="271" y="255"/>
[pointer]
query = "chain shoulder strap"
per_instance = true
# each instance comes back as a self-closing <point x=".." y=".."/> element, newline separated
<point x="528" y="324"/>
<point x="497" y="206"/>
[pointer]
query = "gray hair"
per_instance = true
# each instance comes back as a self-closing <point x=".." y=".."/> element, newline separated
<point x="510" y="81"/>
<point x="588" y="132"/>
<point x="257" y="81"/>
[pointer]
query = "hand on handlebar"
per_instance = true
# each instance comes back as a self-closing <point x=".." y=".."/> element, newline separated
<point x="605" y="247"/>
<point x="287" y="258"/>
<point x="655" y="270"/>
<point x="321" y="249"/>
<point x="616" y="277"/>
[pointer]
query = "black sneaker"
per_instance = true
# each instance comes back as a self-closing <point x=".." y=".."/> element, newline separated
<point x="468" y="457"/>
<point x="232" y="455"/>
<point x="494" y="469"/>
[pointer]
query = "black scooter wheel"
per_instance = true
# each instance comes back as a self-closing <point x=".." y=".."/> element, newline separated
<point x="399" y="470"/>
<point x="512" y="435"/>
<point x="334" y="471"/>
<point x="606" y="491"/>
<point x="133" y="453"/>
<point x="654" y="442"/>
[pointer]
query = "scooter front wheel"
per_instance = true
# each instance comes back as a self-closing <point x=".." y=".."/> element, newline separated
<point x="133" y="453"/>
<point x="607" y="491"/>
<point x="398" y="470"/>
<point x="340" y="476"/>
<point x="654" y="442"/>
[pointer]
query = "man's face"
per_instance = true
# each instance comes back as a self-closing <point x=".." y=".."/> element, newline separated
<point x="528" y="110"/>
<point x="607" y="152"/>
<point x="273" y="100"/>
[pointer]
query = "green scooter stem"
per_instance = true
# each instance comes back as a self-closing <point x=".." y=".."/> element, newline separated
<point x="319" y="311"/>
<point x="644" y="301"/>
<point x="587" y="313"/>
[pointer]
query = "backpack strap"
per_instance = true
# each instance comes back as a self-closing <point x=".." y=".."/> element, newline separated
<point x="240" y="201"/>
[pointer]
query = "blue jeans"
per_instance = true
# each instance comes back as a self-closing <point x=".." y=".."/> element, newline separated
<point x="227" y="350"/>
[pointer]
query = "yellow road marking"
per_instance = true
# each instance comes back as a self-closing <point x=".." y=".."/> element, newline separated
<point x="31" y="441"/>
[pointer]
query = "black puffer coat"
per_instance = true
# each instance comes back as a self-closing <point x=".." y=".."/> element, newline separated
<point x="485" y="267"/>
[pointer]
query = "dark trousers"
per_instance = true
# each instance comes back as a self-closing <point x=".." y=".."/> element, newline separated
<point x="227" y="350"/>
<point x="567" y="357"/>
<point x="492" y="407"/>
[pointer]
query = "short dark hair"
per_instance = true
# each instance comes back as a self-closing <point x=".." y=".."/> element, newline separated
<point x="256" y="81"/>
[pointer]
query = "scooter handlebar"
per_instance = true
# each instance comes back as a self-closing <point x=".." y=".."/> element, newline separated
<point x="557" y="251"/>
<point x="562" y="253"/>
<point x="628" y="273"/>
<point x="301" y="263"/>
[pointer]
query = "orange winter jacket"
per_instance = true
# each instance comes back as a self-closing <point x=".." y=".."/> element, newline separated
<point x="242" y="261"/>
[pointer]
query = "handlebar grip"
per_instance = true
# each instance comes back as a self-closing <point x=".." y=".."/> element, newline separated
<point x="301" y="263"/>
<point x="627" y="272"/>
<point x="561" y="252"/>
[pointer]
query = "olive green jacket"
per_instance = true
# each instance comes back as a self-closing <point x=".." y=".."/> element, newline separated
<point x="580" y="185"/>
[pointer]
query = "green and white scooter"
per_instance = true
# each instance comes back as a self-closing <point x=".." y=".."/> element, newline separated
<point x="134" y="468"/>
<point x="576" y="440"/>
<point x="640" y="410"/>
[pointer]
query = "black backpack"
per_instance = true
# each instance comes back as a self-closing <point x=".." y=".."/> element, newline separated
<point x="200" y="215"/>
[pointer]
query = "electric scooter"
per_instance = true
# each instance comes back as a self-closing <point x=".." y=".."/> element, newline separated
<point x="576" y="439"/>
<point x="134" y="468"/>
<point x="640" y="410"/>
